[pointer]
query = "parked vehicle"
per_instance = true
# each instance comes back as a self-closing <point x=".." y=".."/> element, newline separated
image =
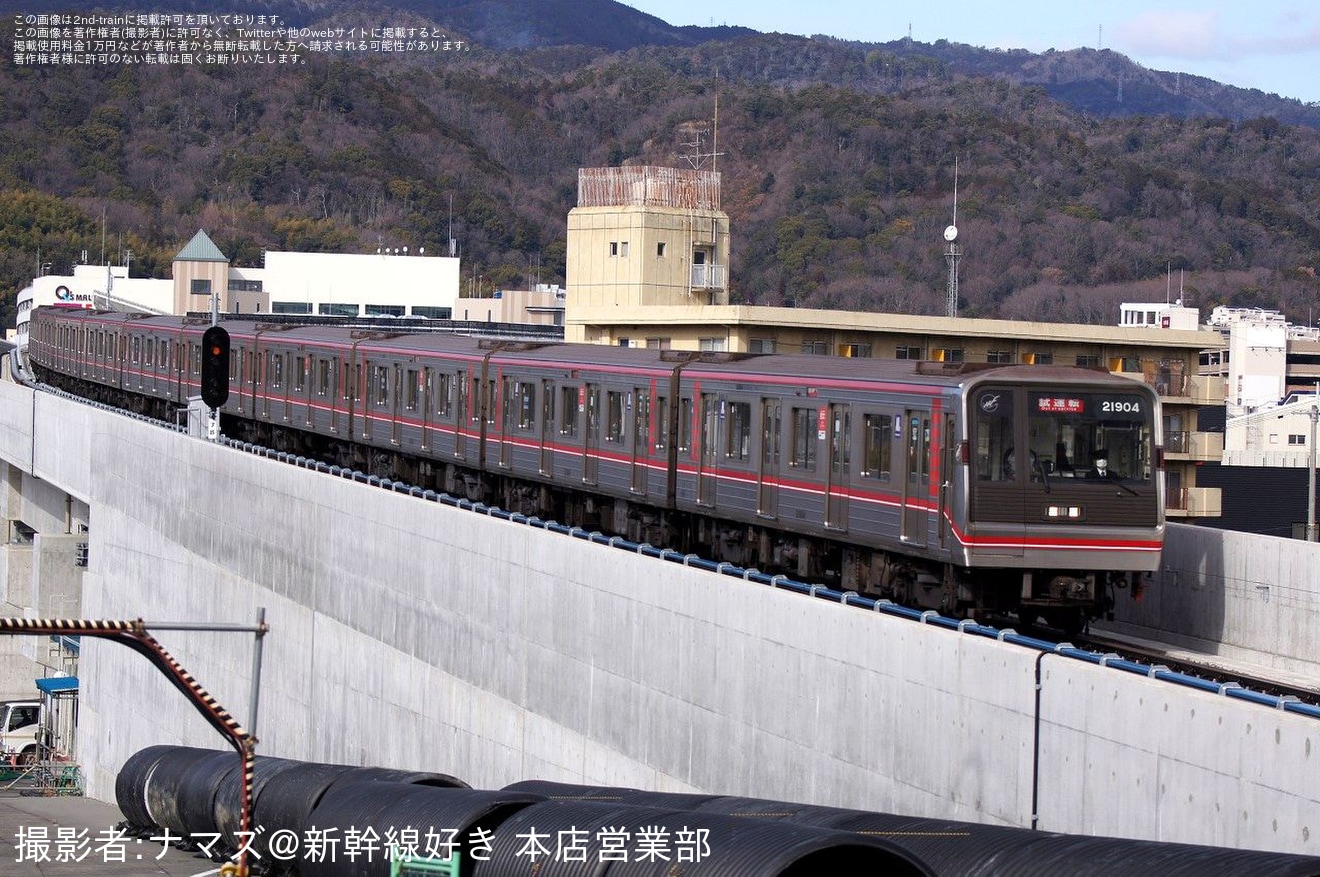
<point x="20" y="724"/>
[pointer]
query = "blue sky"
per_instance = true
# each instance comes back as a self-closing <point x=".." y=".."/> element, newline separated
<point x="1273" y="45"/>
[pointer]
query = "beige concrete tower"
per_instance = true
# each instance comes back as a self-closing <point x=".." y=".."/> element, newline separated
<point x="643" y="236"/>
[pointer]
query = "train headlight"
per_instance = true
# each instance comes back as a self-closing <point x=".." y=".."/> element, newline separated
<point x="1064" y="512"/>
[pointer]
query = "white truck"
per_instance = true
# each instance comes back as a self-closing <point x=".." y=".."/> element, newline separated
<point x="20" y="725"/>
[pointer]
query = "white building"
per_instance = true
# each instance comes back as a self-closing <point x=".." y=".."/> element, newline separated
<point x="357" y="285"/>
<point x="1277" y="436"/>
<point x="92" y="286"/>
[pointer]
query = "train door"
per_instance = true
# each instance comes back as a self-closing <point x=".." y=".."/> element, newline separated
<point x="462" y="412"/>
<point x="426" y="386"/>
<point x="767" y="476"/>
<point x="404" y="398"/>
<point x="509" y="417"/>
<point x="916" y="481"/>
<point x="547" y="465"/>
<point x="591" y="434"/>
<point x="707" y="454"/>
<point x="641" y="438"/>
<point x="838" y="472"/>
<point x="948" y="460"/>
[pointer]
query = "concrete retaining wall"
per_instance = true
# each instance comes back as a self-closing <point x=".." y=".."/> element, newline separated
<point x="411" y="634"/>
<point x="1248" y="597"/>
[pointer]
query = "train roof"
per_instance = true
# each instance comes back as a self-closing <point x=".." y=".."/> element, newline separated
<point x="792" y="368"/>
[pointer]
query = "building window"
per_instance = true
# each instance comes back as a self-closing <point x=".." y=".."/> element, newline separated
<point x="385" y="310"/>
<point x="1296" y="439"/>
<point x="238" y="285"/>
<point x="816" y="348"/>
<point x="431" y="312"/>
<point x="907" y="352"/>
<point x="761" y="345"/>
<point x="999" y="357"/>
<point x="1087" y="360"/>
<point x="853" y="350"/>
<point x="1038" y="358"/>
<point x="330" y="309"/>
<point x="657" y="343"/>
<point x="710" y="344"/>
<point x="947" y="354"/>
<point x="660" y="250"/>
<point x="623" y="249"/>
<point x="290" y="307"/>
<point x="199" y="287"/>
<point x="614" y="248"/>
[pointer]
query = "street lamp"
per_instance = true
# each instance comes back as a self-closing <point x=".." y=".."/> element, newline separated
<point x="1310" y="479"/>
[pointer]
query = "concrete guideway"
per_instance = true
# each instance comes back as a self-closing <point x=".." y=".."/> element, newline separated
<point x="417" y="635"/>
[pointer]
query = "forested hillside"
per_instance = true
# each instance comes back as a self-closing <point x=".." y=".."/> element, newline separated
<point x="837" y="171"/>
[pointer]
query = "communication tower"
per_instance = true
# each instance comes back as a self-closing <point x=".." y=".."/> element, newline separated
<point x="954" y="252"/>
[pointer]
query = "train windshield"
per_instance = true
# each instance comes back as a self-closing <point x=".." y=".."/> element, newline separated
<point x="1098" y="436"/>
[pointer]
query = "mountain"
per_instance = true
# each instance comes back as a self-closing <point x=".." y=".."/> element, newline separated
<point x="837" y="162"/>
<point x="1100" y="82"/>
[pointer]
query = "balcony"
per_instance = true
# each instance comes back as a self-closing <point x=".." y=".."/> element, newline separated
<point x="1181" y="444"/>
<point x="708" y="277"/>
<point x="1195" y="502"/>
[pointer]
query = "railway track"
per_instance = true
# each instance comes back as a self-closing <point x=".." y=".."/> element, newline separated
<point x="1213" y="669"/>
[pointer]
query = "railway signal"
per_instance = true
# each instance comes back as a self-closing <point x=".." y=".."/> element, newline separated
<point x="215" y="367"/>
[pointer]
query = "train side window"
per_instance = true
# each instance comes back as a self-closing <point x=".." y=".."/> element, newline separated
<point x="685" y="424"/>
<point x="613" y="416"/>
<point x="593" y="412"/>
<point x="523" y="398"/>
<point x="804" y="439"/>
<point x="323" y="377"/>
<point x="277" y="371"/>
<point x="194" y="359"/>
<point x="547" y="406"/>
<point x="738" y="436"/>
<point x="380" y="383"/>
<point x="492" y="399"/>
<point x="137" y="348"/>
<point x="661" y="423"/>
<point x="445" y="394"/>
<point x="642" y="423"/>
<point x="412" y="389"/>
<point x="300" y="374"/>
<point x="568" y="421"/>
<point x="877" y="430"/>
<point x="841" y="440"/>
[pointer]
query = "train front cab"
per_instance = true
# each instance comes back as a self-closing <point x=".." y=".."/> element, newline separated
<point x="1064" y="495"/>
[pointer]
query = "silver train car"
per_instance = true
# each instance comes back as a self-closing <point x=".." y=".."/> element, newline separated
<point x="969" y="489"/>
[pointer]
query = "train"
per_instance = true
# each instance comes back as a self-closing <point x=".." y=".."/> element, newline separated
<point x="971" y="489"/>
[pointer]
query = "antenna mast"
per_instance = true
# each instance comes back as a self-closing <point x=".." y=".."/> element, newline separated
<point x="954" y="252"/>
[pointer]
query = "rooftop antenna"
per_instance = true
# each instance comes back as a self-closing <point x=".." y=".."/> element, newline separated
<point x="952" y="254"/>
<point x="696" y="157"/>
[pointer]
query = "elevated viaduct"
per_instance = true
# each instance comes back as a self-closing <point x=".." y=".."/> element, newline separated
<point x="412" y="634"/>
